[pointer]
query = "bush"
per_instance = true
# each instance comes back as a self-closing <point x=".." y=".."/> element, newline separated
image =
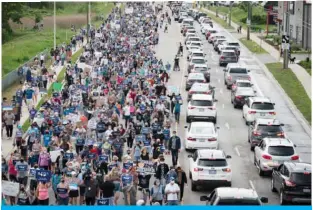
<point x="259" y="19"/>
<point x="295" y="47"/>
<point x="38" y="18"/>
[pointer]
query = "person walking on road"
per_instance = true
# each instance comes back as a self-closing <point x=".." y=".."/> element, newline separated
<point x="9" y="121"/>
<point x="176" y="63"/>
<point x="181" y="181"/>
<point x="172" y="191"/>
<point x="177" y="111"/>
<point x="181" y="49"/>
<point x="174" y="146"/>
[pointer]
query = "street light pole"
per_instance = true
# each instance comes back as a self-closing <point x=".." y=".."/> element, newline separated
<point x="87" y="24"/>
<point x="89" y="8"/>
<point x="54" y="28"/>
<point x="230" y="8"/>
<point x="249" y="20"/>
<point x="286" y="27"/>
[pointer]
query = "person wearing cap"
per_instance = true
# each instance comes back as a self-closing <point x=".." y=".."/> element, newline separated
<point x="172" y="190"/>
<point x="174" y="145"/>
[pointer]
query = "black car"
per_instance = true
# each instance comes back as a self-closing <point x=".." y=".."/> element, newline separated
<point x="239" y="96"/>
<point x="293" y="183"/>
<point x="200" y="14"/>
<point x="262" y="128"/>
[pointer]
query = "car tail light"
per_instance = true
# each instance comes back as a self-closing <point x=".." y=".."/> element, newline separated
<point x="212" y="139"/>
<point x="226" y="170"/>
<point x="192" y="107"/>
<point x="239" y="97"/>
<point x="251" y="112"/>
<point x="222" y="57"/>
<point x="198" y="169"/>
<point x="272" y="113"/>
<point x="229" y="77"/>
<point x="212" y="108"/>
<point x="295" y="157"/>
<point x="191" y="139"/>
<point x="191" y="92"/>
<point x="290" y="184"/>
<point x="267" y="157"/>
<point x="255" y="133"/>
<point x="233" y="87"/>
<point x="306" y="173"/>
<point x="249" y="78"/>
<point x="281" y="134"/>
<point x="208" y="92"/>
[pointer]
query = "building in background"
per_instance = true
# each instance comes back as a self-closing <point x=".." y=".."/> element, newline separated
<point x="299" y="27"/>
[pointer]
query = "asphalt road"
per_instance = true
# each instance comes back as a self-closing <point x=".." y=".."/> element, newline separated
<point x="233" y="132"/>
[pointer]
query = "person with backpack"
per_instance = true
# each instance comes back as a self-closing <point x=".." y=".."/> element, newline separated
<point x="157" y="193"/>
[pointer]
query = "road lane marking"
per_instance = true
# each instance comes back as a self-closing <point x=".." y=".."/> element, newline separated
<point x="227" y="126"/>
<point x="251" y="184"/>
<point x="221" y="91"/>
<point x="223" y="105"/>
<point x="216" y="70"/>
<point x="237" y="151"/>
<point x="219" y="81"/>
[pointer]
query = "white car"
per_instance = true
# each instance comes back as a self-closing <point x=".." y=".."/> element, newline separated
<point x="272" y="152"/>
<point x="193" y="43"/>
<point x="191" y="33"/>
<point x="204" y="28"/>
<point x="195" y="53"/>
<point x="241" y="84"/>
<point x="196" y="60"/>
<point x="201" y="107"/>
<point x="194" y="48"/>
<point x="258" y="107"/>
<point x="215" y="36"/>
<point x="193" y="39"/>
<point x="189" y="36"/>
<point x="209" y="167"/>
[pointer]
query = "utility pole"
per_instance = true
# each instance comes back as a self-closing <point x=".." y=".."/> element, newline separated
<point x="230" y="8"/>
<point x="249" y="20"/>
<point x="286" y="33"/>
<point x="89" y="8"/>
<point x="88" y="27"/>
<point x="216" y="11"/>
<point x="54" y="28"/>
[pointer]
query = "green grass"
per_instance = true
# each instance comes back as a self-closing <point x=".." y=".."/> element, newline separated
<point x="253" y="46"/>
<point x="238" y="14"/>
<point x="220" y="21"/>
<point x="60" y="78"/>
<point x="307" y="66"/>
<point x="293" y="87"/>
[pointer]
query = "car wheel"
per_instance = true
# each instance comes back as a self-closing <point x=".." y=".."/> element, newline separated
<point x="282" y="201"/>
<point x="228" y="184"/>
<point x="225" y="82"/>
<point x="220" y="64"/>
<point x="272" y="186"/>
<point x="251" y="148"/>
<point x="260" y="171"/>
<point x="187" y="120"/>
<point x="215" y="120"/>
<point x="193" y="186"/>
<point x="190" y="175"/>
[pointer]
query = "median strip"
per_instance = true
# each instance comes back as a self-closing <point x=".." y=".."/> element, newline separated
<point x="253" y="46"/>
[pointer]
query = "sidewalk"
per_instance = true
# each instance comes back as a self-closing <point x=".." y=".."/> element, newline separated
<point x="303" y="76"/>
<point x="6" y="143"/>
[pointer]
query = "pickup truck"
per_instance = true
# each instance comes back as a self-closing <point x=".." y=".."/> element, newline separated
<point x="234" y="72"/>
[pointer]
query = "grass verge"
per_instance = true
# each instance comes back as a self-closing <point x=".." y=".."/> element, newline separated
<point x="307" y="66"/>
<point x="60" y="78"/>
<point x="253" y="46"/>
<point x="293" y="87"/>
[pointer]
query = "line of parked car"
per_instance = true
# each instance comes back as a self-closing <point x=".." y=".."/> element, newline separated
<point x="274" y="153"/>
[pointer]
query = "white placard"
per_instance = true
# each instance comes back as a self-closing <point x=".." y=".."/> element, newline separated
<point x="10" y="188"/>
<point x="54" y="155"/>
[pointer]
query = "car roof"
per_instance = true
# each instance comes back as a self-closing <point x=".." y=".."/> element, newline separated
<point x="196" y="65"/>
<point x="211" y="153"/>
<point x="232" y="192"/>
<point x="221" y="39"/>
<point x="261" y="121"/>
<point x="298" y="167"/>
<point x="236" y="65"/>
<point x="197" y="51"/>
<point x="195" y="42"/>
<point x="195" y="75"/>
<point x="202" y="124"/>
<point x="246" y="91"/>
<point x="198" y="57"/>
<point x="188" y="19"/>
<point x="261" y="99"/>
<point x="202" y="97"/>
<point x="228" y="51"/>
<point x="201" y="86"/>
<point x="243" y="81"/>
<point x="278" y="142"/>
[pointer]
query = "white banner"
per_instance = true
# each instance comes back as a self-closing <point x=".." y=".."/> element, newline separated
<point x="10" y="188"/>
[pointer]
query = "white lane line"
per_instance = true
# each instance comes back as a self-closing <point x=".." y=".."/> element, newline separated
<point x="252" y="185"/>
<point x="227" y="126"/>
<point x="237" y="151"/>
<point x="221" y="91"/>
<point x="219" y="81"/>
<point x="223" y="105"/>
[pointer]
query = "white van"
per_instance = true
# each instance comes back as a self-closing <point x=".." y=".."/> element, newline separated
<point x="188" y="21"/>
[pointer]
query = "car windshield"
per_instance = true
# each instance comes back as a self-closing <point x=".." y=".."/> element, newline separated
<point x="201" y="103"/>
<point x="201" y="69"/>
<point x="270" y="128"/>
<point x="228" y="54"/>
<point x="195" y="44"/>
<point x="198" y="61"/>
<point x="194" y="39"/>
<point x="244" y="84"/>
<point x="201" y="130"/>
<point x="281" y="151"/>
<point x="239" y="202"/>
<point x="198" y="54"/>
<point x="212" y="162"/>
<point x="220" y="41"/>
<point x="234" y="44"/>
<point x="238" y="71"/>
<point x="262" y="106"/>
<point x="301" y="178"/>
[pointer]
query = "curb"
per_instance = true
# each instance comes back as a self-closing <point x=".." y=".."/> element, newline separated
<point x="298" y="115"/>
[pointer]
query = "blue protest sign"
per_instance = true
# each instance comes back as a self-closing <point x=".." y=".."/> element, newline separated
<point x="162" y="148"/>
<point x="178" y="98"/>
<point x="142" y="107"/>
<point x="23" y="167"/>
<point x="111" y="166"/>
<point x="146" y="142"/>
<point x="128" y="165"/>
<point x="61" y="191"/>
<point x="103" y="202"/>
<point x="14" y="162"/>
<point x="90" y="142"/>
<point x="104" y="158"/>
<point x="145" y="130"/>
<point x="43" y="175"/>
<point x="127" y="180"/>
<point x="91" y="156"/>
<point x="80" y="142"/>
<point x="162" y="97"/>
<point x="69" y="156"/>
<point x="139" y="138"/>
<point x="148" y="167"/>
<point x="32" y="172"/>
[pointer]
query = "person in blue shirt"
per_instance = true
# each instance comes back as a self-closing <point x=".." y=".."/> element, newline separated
<point x="177" y="111"/>
<point x="47" y="138"/>
<point x="32" y="113"/>
<point x="29" y="94"/>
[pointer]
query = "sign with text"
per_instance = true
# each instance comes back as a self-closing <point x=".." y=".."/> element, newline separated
<point x="43" y="175"/>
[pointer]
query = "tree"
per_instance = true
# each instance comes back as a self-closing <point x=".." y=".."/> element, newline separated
<point x="10" y="11"/>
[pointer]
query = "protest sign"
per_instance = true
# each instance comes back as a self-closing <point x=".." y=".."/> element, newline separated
<point x="54" y="155"/>
<point x="127" y="180"/>
<point x="69" y="156"/>
<point x="146" y="167"/>
<point x="103" y="202"/>
<point x="104" y="158"/>
<point x="23" y="167"/>
<point x="128" y="164"/>
<point x="112" y="165"/>
<point x="145" y="130"/>
<point x="10" y="188"/>
<point x="140" y="138"/>
<point x="43" y="175"/>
